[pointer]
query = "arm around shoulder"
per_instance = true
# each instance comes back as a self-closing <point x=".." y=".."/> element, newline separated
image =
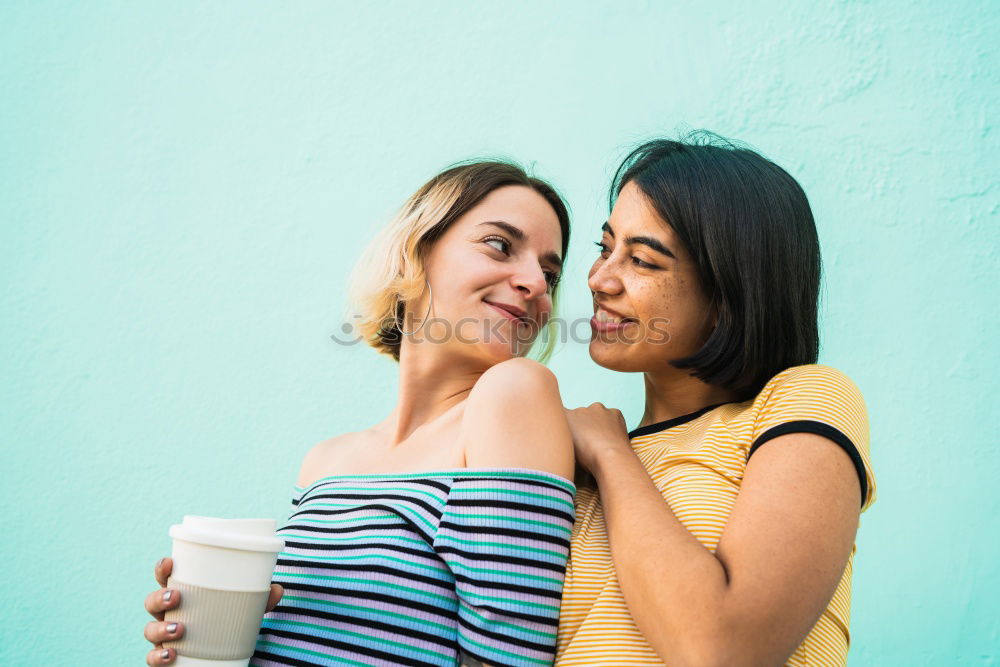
<point x="786" y="543"/>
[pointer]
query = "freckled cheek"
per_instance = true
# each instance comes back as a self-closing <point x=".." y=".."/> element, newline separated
<point x="654" y="305"/>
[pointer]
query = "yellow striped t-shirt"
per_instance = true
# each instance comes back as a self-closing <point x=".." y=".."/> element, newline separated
<point x="697" y="461"/>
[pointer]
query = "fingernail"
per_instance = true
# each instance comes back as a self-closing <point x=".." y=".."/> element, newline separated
<point x="159" y="563"/>
<point x="165" y="655"/>
<point x="166" y="596"/>
<point x="171" y="628"/>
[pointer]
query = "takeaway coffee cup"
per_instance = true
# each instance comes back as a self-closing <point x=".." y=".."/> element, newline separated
<point x="222" y="568"/>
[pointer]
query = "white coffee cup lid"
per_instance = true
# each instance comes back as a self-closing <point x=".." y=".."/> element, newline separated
<point x="248" y="534"/>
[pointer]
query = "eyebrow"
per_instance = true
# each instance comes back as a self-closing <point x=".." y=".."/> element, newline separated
<point x="643" y="240"/>
<point x="519" y="235"/>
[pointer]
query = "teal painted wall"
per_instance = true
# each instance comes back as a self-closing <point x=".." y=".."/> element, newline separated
<point x="184" y="188"/>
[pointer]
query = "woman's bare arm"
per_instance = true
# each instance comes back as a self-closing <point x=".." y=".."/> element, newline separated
<point x="776" y="567"/>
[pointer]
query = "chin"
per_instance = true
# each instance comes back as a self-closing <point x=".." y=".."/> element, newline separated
<point x="497" y="351"/>
<point x="615" y="357"/>
<point x="508" y="344"/>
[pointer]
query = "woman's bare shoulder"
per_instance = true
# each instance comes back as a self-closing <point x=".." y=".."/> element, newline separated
<point x="514" y="418"/>
<point x="514" y="380"/>
<point x="326" y="457"/>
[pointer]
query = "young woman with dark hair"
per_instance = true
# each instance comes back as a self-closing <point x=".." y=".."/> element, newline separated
<point x="694" y="543"/>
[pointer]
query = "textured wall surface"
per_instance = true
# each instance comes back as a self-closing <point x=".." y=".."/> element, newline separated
<point x="184" y="188"/>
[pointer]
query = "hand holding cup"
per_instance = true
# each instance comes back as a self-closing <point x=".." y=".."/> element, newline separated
<point x="166" y="632"/>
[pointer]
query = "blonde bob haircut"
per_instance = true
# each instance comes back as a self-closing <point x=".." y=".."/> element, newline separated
<point x="391" y="271"/>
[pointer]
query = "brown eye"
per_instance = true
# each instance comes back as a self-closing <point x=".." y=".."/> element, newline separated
<point x="504" y="243"/>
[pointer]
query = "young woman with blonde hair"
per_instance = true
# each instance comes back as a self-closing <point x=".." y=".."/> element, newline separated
<point x="441" y="533"/>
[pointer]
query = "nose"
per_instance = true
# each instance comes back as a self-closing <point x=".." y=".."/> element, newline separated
<point x="604" y="278"/>
<point x="530" y="282"/>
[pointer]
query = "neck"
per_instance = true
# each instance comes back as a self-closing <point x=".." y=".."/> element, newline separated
<point x="432" y="381"/>
<point x="673" y="392"/>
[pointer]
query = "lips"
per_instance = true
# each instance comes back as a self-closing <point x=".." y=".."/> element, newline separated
<point x="606" y="320"/>
<point x="609" y="315"/>
<point x="510" y="312"/>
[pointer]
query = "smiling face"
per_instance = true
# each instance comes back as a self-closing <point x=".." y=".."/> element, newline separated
<point x="649" y="307"/>
<point x="492" y="273"/>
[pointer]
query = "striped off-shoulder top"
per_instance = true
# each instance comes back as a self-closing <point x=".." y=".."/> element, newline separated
<point x="421" y="569"/>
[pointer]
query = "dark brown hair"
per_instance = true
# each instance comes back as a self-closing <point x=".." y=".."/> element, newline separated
<point x="748" y="226"/>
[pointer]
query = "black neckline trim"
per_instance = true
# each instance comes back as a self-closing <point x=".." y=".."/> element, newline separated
<point x="670" y="423"/>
